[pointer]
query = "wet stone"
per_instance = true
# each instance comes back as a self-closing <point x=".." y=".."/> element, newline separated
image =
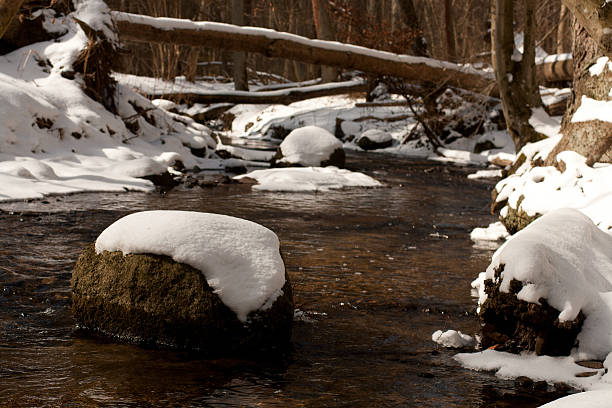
<point x="586" y="374"/>
<point x="594" y="364"/>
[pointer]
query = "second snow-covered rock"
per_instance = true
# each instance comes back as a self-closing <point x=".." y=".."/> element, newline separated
<point x="549" y="289"/>
<point x="310" y="146"/>
<point x="185" y="279"/>
<point x="373" y="139"/>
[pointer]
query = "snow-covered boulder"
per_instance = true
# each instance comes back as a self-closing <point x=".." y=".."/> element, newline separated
<point x="187" y="280"/>
<point x="548" y="289"/>
<point x="373" y="139"/>
<point x="310" y="146"/>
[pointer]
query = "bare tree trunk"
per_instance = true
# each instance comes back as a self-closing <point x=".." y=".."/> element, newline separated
<point x="419" y="46"/>
<point x="449" y="31"/>
<point x="516" y="80"/>
<point x="324" y="30"/>
<point x="8" y="10"/>
<point x="239" y="58"/>
<point x="373" y="9"/>
<point x="563" y="31"/>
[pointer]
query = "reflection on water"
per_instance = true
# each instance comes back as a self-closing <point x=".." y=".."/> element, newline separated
<point x="374" y="272"/>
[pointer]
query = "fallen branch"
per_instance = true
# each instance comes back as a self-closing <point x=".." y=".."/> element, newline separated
<point x="281" y="97"/>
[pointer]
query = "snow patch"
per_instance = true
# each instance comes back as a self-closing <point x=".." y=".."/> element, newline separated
<point x="308" y="179"/>
<point x="591" y="109"/>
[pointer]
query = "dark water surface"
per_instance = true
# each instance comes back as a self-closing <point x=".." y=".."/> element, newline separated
<point x="375" y="273"/>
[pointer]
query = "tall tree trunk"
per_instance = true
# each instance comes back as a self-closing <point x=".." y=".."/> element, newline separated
<point x="238" y="57"/>
<point x="563" y="31"/>
<point x="324" y="30"/>
<point x="449" y="31"/>
<point x="419" y="45"/>
<point x="8" y="10"/>
<point x="516" y="80"/>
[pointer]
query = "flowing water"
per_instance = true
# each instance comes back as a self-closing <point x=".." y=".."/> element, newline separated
<point x="374" y="271"/>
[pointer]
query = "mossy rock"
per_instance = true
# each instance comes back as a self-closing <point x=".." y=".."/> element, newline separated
<point x="153" y="300"/>
<point x="514" y="325"/>
<point x="516" y="219"/>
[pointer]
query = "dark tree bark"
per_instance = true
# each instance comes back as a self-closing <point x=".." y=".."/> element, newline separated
<point x="8" y="10"/>
<point x="516" y="80"/>
<point x="412" y="23"/>
<point x="238" y="57"/>
<point x="448" y="31"/>
<point x="596" y="18"/>
<point x="592" y="139"/>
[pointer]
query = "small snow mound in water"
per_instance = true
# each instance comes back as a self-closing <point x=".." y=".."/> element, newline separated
<point x="453" y="339"/>
<point x="306" y="179"/>
<point x="494" y="232"/>
<point x="309" y="146"/>
<point x="240" y="259"/>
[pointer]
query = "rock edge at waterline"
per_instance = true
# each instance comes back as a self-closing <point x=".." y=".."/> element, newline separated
<point x="153" y="300"/>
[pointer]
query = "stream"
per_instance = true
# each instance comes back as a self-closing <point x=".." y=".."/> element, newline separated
<point x="374" y="272"/>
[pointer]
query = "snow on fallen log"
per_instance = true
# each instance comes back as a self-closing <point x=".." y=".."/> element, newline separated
<point x="134" y="27"/>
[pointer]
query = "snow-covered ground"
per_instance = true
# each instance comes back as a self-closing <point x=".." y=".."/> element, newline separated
<point x="55" y="139"/>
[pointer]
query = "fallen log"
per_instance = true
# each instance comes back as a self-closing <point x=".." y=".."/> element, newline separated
<point x="555" y="68"/>
<point x="139" y="28"/>
<point x="280" y="97"/>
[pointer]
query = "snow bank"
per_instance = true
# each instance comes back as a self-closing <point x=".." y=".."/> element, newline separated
<point x="590" y="399"/>
<point x="539" y="190"/>
<point x="309" y="146"/>
<point x="538" y="368"/>
<point x="308" y="179"/>
<point x="48" y="122"/>
<point x="564" y="258"/>
<point x="240" y="259"/>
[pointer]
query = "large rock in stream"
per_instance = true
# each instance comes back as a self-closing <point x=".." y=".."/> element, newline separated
<point x="169" y="279"/>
